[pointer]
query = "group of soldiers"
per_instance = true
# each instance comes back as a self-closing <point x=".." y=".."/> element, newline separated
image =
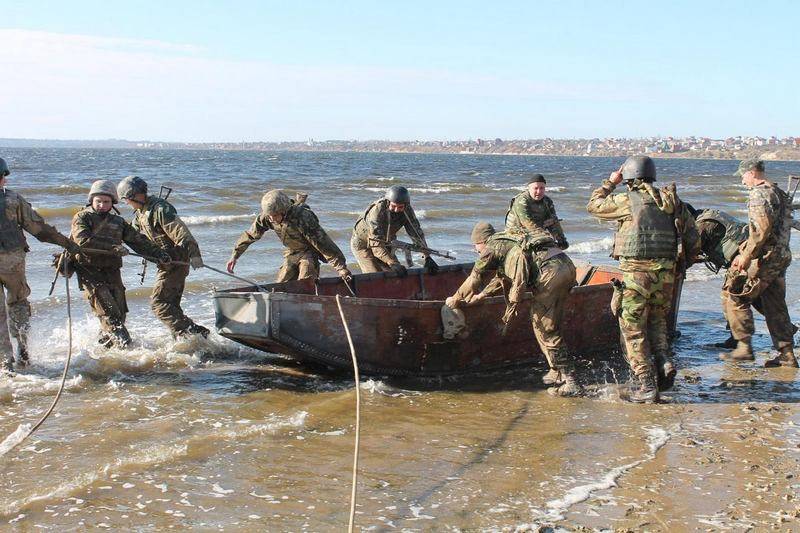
<point x="658" y="238"/>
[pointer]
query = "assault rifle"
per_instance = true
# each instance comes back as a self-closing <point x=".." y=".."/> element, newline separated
<point x="408" y="247"/>
<point x="144" y="261"/>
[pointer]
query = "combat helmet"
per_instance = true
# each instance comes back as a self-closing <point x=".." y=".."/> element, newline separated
<point x="397" y="194"/>
<point x="639" y="167"/>
<point x="4" y="171"/>
<point x="130" y="186"/>
<point x="275" y="202"/>
<point x="105" y="188"/>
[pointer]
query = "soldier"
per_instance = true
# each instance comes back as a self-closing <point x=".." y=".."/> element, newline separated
<point x="158" y="220"/>
<point x="298" y="229"/>
<point x="720" y="237"/>
<point x="16" y="215"/>
<point x="522" y="261"/>
<point x="533" y="209"/>
<point x="96" y="227"/>
<point x="757" y="276"/>
<point x="655" y="233"/>
<point x="379" y="224"/>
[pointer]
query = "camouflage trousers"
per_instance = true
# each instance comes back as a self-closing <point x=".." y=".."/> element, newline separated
<point x="367" y="261"/>
<point x="768" y="298"/>
<point x="165" y="300"/>
<point x="15" y="311"/>
<point x="643" y="310"/>
<point x="299" y="265"/>
<point x="105" y="293"/>
<point x="550" y="292"/>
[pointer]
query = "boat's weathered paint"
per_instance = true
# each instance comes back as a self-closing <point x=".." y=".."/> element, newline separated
<point x="397" y="327"/>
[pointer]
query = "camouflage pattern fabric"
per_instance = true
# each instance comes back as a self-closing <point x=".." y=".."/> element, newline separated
<point x="529" y="215"/>
<point x="14" y="291"/>
<point x="378" y="223"/>
<point x="18" y="215"/>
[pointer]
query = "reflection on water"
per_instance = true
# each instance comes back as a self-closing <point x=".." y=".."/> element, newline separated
<point x="210" y="434"/>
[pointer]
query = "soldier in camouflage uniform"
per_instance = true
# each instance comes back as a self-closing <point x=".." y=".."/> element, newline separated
<point x="720" y="237"/>
<point x="523" y="261"/>
<point x="300" y="232"/>
<point x="653" y="227"/>
<point x="378" y="225"/>
<point x="96" y="227"/>
<point x="16" y="215"/>
<point x="158" y="220"/>
<point x="534" y="210"/>
<point x="757" y="277"/>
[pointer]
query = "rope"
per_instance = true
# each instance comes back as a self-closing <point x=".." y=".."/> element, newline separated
<point x="358" y="416"/>
<point x="63" y="375"/>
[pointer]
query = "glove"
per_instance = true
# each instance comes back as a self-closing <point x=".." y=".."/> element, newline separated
<point x="345" y="274"/>
<point x="431" y="265"/>
<point x="121" y="250"/>
<point x="73" y="247"/>
<point x="196" y="262"/>
<point x="400" y="270"/>
<point x="164" y="258"/>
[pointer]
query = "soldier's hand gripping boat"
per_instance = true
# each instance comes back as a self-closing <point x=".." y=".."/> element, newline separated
<point x="398" y="327"/>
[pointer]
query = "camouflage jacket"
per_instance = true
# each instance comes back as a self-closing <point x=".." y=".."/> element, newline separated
<point x="379" y="224"/>
<point x="527" y="214"/>
<point x="617" y="207"/>
<point x="159" y="221"/>
<point x="299" y="231"/>
<point x="16" y="214"/>
<point x="770" y="224"/>
<point x="91" y="229"/>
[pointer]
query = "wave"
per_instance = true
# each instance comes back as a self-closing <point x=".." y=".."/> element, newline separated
<point x="58" y="212"/>
<point x="590" y="247"/>
<point x="211" y="220"/>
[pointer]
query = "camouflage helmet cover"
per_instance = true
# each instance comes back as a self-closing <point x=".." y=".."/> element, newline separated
<point x="275" y="202"/>
<point x="103" y="188"/>
<point x="130" y="186"/>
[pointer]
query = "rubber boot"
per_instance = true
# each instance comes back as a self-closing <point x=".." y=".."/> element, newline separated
<point x="666" y="372"/>
<point x="742" y="352"/>
<point x="120" y="337"/>
<point x="197" y="329"/>
<point x="552" y="378"/>
<point x="22" y="354"/>
<point x="728" y="344"/>
<point x="786" y="358"/>
<point x="569" y="388"/>
<point x="646" y="390"/>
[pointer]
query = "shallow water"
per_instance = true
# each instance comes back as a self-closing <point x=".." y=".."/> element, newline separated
<point x="214" y="435"/>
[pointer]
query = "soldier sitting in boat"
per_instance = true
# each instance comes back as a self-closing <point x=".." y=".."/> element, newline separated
<point x="533" y="210"/>
<point x="521" y="261"/>
<point x="300" y="232"/>
<point x="378" y="227"/>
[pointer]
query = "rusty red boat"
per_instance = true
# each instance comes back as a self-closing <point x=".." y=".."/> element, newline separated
<point x="396" y="322"/>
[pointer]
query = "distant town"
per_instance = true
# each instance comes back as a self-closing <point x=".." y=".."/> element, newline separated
<point x="773" y="148"/>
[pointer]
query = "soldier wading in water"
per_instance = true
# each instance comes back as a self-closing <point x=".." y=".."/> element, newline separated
<point x="300" y="232"/>
<point x="158" y="220"/>
<point x="16" y="215"/>
<point x="96" y="227"/>
<point x="656" y="234"/>
<point x="522" y="261"/>
<point x="757" y="276"/>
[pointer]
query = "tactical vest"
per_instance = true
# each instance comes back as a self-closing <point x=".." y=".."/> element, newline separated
<point x="540" y="212"/>
<point x="11" y="236"/>
<point x="288" y="231"/>
<point x="107" y="231"/>
<point x="650" y="234"/>
<point x="145" y="222"/>
<point x="395" y="221"/>
<point x="735" y="233"/>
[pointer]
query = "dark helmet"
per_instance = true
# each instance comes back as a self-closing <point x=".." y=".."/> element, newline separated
<point x="4" y="168"/>
<point x="639" y="167"/>
<point x="131" y="186"/>
<point x="397" y="194"/>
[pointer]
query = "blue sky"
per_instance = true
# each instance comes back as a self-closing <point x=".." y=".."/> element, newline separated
<point x="229" y="71"/>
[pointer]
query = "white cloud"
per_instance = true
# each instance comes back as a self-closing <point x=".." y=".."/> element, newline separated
<point x="79" y="86"/>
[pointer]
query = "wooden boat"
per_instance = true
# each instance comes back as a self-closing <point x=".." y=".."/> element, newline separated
<point x="396" y="323"/>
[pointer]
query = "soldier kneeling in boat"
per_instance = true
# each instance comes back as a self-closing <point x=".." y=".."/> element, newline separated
<point x="533" y="210"/>
<point x="379" y="225"/>
<point x="96" y="228"/>
<point x="158" y="220"/>
<point x="523" y="261"/>
<point x="299" y="230"/>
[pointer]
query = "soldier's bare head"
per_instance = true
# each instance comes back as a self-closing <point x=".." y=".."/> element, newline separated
<point x="102" y="203"/>
<point x="537" y="186"/>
